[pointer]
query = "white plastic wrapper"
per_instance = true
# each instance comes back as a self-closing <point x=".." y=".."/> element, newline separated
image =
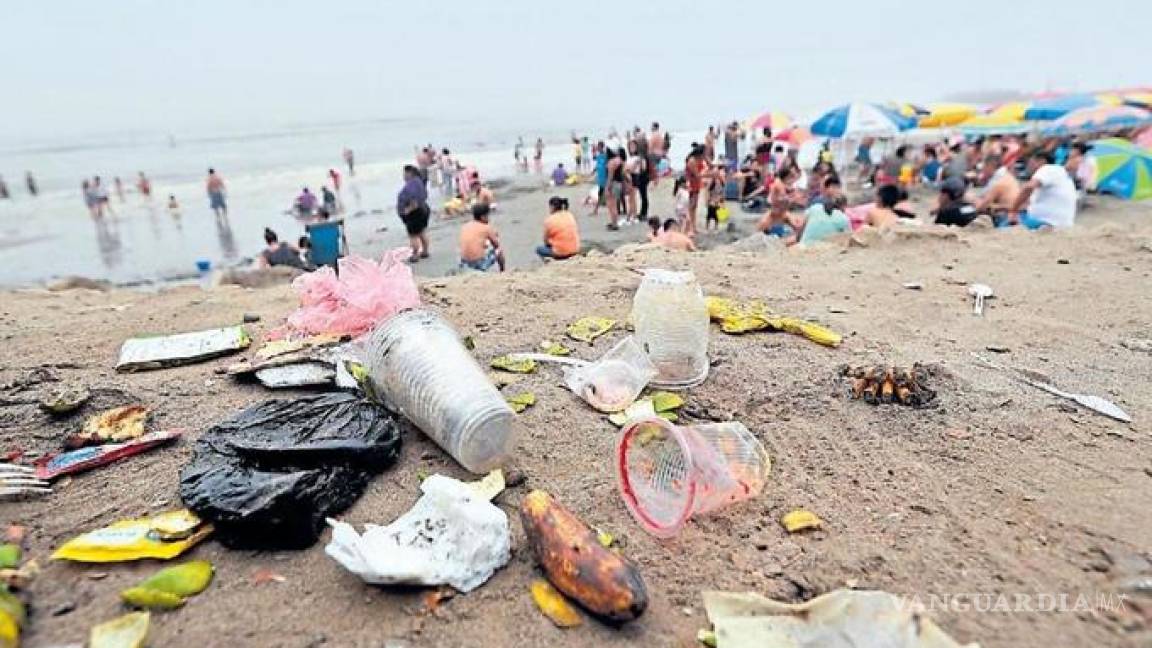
<point x="451" y="536"/>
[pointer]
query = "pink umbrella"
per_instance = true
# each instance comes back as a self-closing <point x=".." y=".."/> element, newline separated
<point x="794" y="136"/>
<point x="772" y="119"/>
<point x="1143" y="139"/>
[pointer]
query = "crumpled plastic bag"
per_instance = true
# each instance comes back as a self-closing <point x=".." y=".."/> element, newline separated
<point x="353" y="302"/>
<point x="452" y="536"/>
<point x="269" y="476"/>
<point x="838" y="619"/>
<point x="614" y="381"/>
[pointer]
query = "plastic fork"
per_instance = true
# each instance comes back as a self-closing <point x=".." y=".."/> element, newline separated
<point x="21" y="480"/>
<point x="980" y="292"/>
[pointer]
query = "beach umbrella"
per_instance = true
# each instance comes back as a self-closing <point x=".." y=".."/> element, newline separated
<point x="794" y="136"/>
<point x="993" y="124"/>
<point x="859" y="120"/>
<point x="1138" y="99"/>
<point x="941" y="115"/>
<point x="1099" y="118"/>
<point x="1057" y="107"/>
<point x="772" y="119"/>
<point x="1143" y="139"/>
<point x="1012" y="110"/>
<point x="907" y="109"/>
<point x="1122" y="168"/>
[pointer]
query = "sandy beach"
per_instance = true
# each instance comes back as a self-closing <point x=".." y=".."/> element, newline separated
<point x="1001" y="489"/>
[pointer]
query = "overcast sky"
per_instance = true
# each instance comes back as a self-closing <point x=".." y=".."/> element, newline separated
<point x="86" y="66"/>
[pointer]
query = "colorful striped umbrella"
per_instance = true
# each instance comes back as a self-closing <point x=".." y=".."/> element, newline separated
<point x="1138" y="99"/>
<point x="907" y="109"/>
<point x="993" y="124"/>
<point x="1012" y="110"/>
<point x="1122" y="168"/>
<point x="1143" y="139"/>
<point x="772" y="119"/>
<point x="794" y="136"/>
<point x="1057" y="107"/>
<point x="859" y="120"/>
<point x="1099" y="118"/>
<point x="941" y="115"/>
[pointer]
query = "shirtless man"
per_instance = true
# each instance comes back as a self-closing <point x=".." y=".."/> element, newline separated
<point x="776" y="222"/>
<point x="1000" y="194"/>
<point x="215" y="187"/>
<point x="656" y="152"/>
<point x="479" y="243"/>
<point x="710" y="144"/>
<point x="668" y="236"/>
<point x="883" y="213"/>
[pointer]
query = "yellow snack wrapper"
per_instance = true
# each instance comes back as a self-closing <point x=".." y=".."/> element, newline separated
<point x="162" y="536"/>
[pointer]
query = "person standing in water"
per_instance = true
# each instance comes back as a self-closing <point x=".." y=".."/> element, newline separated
<point x="30" y="182"/>
<point x="656" y="152"/>
<point x="350" y="160"/>
<point x="119" y="186"/>
<point x="412" y="206"/>
<point x="4" y="195"/>
<point x="144" y="186"/>
<point x="538" y="157"/>
<point x="215" y="187"/>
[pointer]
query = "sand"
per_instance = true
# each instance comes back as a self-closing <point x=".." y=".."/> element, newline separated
<point x="1002" y="489"/>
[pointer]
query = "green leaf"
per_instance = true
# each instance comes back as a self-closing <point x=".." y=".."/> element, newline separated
<point x="664" y="401"/>
<point x="522" y="401"/>
<point x="507" y="363"/>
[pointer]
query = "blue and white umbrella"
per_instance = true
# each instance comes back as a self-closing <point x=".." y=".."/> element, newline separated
<point x="861" y="120"/>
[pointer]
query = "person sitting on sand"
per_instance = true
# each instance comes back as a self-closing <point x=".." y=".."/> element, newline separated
<point x="278" y="253"/>
<point x="776" y="222"/>
<point x="825" y="219"/>
<point x="952" y="209"/>
<point x="999" y="195"/>
<point x="1049" y="194"/>
<point x="883" y="213"/>
<point x="930" y="168"/>
<point x="561" y="232"/>
<point x="831" y="189"/>
<point x="479" y="242"/>
<point x="669" y="236"/>
<point x="1082" y="167"/>
<point x="559" y="175"/>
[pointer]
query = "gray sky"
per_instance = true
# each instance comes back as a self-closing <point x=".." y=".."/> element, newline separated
<point x="85" y="66"/>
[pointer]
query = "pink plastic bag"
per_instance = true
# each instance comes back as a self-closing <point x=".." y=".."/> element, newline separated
<point x="858" y="215"/>
<point x="353" y="303"/>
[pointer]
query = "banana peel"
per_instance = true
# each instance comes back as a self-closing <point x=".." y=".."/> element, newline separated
<point x="736" y="318"/>
<point x="521" y="402"/>
<point x="553" y="604"/>
<point x="587" y="329"/>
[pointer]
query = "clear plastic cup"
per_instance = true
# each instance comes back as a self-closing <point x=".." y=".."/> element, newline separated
<point x="613" y="382"/>
<point x="668" y="473"/>
<point x="671" y="320"/>
<point x="418" y="365"/>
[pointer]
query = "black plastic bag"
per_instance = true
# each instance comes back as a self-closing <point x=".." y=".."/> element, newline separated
<point x="268" y="477"/>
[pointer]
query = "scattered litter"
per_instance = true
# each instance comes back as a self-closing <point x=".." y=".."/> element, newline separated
<point x="668" y="473"/>
<point x="553" y="604"/>
<point x="1094" y="403"/>
<point x="9" y="556"/>
<point x="12" y="619"/>
<point x="555" y="348"/>
<point x="418" y="368"/>
<point x="268" y="476"/>
<point x="19" y="578"/>
<point x="671" y="323"/>
<point x="522" y="401"/>
<point x="163" y="536"/>
<point x="265" y="575"/>
<point x="170" y="587"/>
<point x="250" y="318"/>
<point x="996" y="348"/>
<point x="145" y="353"/>
<point x="82" y="459"/>
<point x="979" y="293"/>
<point x="614" y="381"/>
<point x="800" y="520"/>
<point x="736" y="318"/>
<point x="605" y="539"/>
<point x="96" y="575"/>
<point x="514" y="365"/>
<point x="914" y="285"/>
<point x="277" y="348"/>
<point x="663" y="404"/>
<point x="839" y="619"/>
<point x="489" y="487"/>
<point x="587" y="329"/>
<point x="355" y="300"/>
<point x="450" y="537"/>
<point x="300" y="374"/>
<point x="1137" y="344"/>
<point x="434" y="598"/>
<point x="706" y="637"/>
<point x="65" y="401"/>
<point x="882" y="385"/>
<point x="600" y="580"/>
<point x="128" y="631"/>
<point x="117" y="424"/>
<point x="21" y="480"/>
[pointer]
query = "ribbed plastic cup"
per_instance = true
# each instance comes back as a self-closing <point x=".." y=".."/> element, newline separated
<point x="417" y="363"/>
<point x="668" y="473"/>
<point x="671" y="321"/>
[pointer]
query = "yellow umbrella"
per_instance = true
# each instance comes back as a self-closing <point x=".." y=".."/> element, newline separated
<point x="992" y="124"/>
<point x="947" y="115"/>
<point x="1011" y="110"/>
<point x="1141" y="99"/>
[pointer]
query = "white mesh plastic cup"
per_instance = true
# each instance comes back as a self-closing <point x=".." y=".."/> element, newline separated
<point x="671" y="321"/>
<point x="667" y="473"/>
<point x="418" y="365"/>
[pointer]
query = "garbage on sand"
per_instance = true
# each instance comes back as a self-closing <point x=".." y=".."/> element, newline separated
<point x="1094" y="403"/>
<point x="554" y="348"/>
<point x="82" y="459"/>
<point x="170" y="587"/>
<point x="162" y="536"/>
<point x="128" y="631"/>
<point x="300" y="374"/>
<point x="522" y="401"/>
<point x="451" y="536"/>
<point x="979" y="292"/>
<point x="352" y="302"/>
<point x="663" y="404"/>
<point x="879" y="384"/>
<point x="671" y="323"/>
<point x="613" y="382"/>
<point x="269" y="476"/>
<point x="668" y="473"/>
<point x="838" y="619"/>
<point x="419" y="368"/>
<point x="587" y="329"/>
<point x="553" y="604"/>
<point x="276" y="348"/>
<point x="598" y="579"/>
<point x="18" y="480"/>
<point x="736" y="318"/>
<point x="117" y="424"/>
<point x="65" y="401"/>
<point x="514" y="365"/>
<point x="800" y="520"/>
<point x="13" y="615"/>
<point x="144" y="353"/>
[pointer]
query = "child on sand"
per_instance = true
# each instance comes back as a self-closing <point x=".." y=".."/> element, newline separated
<point x="683" y="199"/>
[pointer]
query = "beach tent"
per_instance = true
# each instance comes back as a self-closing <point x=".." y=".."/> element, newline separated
<point x="860" y="120"/>
<point x="993" y="124"/>
<point x="1057" y="107"/>
<point x="947" y="114"/>
<point x="1099" y="118"/>
<point x="772" y="119"/>
<point x="1122" y="168"/>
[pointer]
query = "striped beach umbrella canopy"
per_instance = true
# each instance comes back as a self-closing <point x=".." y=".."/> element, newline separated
<point x="993" y="124"/>
<point x="1138" y="99"/>
<point x="794" y="136"/>
<point x="907" y="109"/>
<point x="947" y="114"/>
<point x="773" y="119"/>
<point x="1011" y="110"/>
<point x="1122" y="168"/>
<point x="1057" y="107"/>
<point x="1143" y="139"/>
<point x="860" y="120"/>
<point x="1099" y="118"/>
